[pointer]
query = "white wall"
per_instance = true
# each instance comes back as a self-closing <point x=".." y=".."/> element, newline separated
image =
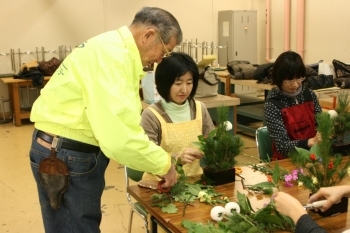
<point x="326" y="36"/>
<point x="27" y="24"/>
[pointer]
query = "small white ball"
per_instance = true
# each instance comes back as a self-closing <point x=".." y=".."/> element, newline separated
<point x="217" y="213"/>
<point x="333" y="113"/>
<point x="228" y="125"/>
<point x="230" y="207"/>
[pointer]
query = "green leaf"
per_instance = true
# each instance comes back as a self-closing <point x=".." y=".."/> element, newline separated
<point x="170" y="209"/>
<point x="305" y="153"/>
<point x="288" y="220"/>
<point x="265" y="215"/>
<point x="160" y="205"/>
<point x="276" y="174"/>
<point x="200" y="138"/>
<point x="223" y="225"/>
<point x="185" y="197"/>
<point x="315" y="149"/>
<point x="179" y="168"/>
<point x="157" y="196"/>
<point x="194" y="189"/>
<point x="188" y="224"/>
<point x="272" y="219"/>
<point x="249" y="205"/>
<point x="197" y="144"/>
<point x="265" y="184"/>
<point x="263" y="212"/>
<point x="213" y="133"/>
<point x="201" y="228"/>
<point x="242" y="202"/>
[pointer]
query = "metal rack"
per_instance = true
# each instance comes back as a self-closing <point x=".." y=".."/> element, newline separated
<point x="28" y="93"/>
<point x="197" y="50"/>
<point x="40" y="54"/>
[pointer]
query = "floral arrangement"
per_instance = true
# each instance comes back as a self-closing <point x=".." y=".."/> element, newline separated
<point x="228" y="216"/>
<point x="318" y="168"/>
<point x="240" y="217"/>
<point x="220" y="147"/>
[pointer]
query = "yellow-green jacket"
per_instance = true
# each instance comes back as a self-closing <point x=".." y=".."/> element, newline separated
<point x="93" y="97"/>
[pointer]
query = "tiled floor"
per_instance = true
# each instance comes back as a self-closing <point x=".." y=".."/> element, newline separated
<point x="20" y="210"/>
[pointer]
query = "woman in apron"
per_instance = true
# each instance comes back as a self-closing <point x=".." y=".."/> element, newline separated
<point x="291" y="107"/>
<point x="175" y="122"/>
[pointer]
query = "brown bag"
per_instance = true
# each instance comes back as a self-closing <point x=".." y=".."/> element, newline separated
<point x="207" y="83"/>
<point x="54" y="178"/>
<point x="48" y="68"/>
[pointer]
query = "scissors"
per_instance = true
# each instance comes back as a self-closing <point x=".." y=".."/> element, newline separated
<point x="155" y="185"/>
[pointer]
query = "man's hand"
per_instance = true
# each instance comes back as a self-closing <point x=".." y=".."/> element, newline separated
<point x="170" y="178"/>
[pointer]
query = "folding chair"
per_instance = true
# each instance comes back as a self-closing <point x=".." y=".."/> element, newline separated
<point x="263" y="144"/>
<point x="135" y="206"/>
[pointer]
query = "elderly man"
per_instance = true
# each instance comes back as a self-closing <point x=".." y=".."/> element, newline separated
<point x="89" y="112"/>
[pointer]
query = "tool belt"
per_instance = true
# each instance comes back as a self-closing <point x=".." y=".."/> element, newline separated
<point x="69" y="144"/>
<point x="53" y="172"/>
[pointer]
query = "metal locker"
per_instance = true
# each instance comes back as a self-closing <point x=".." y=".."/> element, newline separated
<point x="238" y="31"/>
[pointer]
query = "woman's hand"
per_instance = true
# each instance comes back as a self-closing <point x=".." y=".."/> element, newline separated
<point x="314" y="140"/>
<point x="288" y="205"/>
<point x="331" y="194"/>
<point x="188" y="155"/>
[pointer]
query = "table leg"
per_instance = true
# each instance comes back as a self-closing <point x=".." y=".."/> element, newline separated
<point x="16" y="109"/>
<point x="228" y="86"/>
<point x="233" y="117"/>
<point x="334" y="104"/>
<point x="154" y="226"/>
<point x="221" y="88"/>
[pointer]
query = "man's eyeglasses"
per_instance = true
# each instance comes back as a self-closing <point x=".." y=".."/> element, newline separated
<point x="291" y="81"/>
<point x="167" y="53"/>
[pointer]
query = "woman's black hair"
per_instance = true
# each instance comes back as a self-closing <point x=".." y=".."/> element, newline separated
<point x="170" y="69"/>
<point x="288" y="65"/>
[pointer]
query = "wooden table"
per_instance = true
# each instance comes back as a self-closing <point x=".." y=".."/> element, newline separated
<point x="216" y="101"/>
<point x="200" y="212"/>
<point x="225" y="78"/>
<point x="14" y="85"/>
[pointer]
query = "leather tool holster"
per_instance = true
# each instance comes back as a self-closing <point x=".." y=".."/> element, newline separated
<point x="54" y="176"/>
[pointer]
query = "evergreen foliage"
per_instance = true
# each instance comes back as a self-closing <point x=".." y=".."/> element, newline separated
<point x="342" y="121"/>
<point x="220" y="147"/>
